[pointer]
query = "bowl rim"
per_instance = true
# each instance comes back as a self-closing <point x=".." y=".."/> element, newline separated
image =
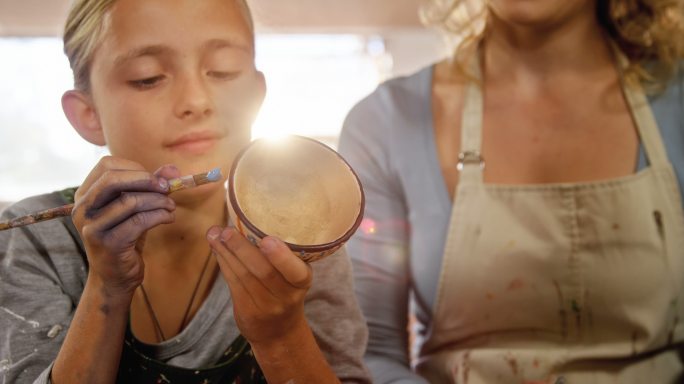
<point x="295" y="247"/>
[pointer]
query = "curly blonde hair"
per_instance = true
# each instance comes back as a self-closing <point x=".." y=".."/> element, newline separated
<point x="84" y="30"/>
<point x="649" y="32"/>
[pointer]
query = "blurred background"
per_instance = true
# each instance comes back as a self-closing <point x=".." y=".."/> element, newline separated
<point x="320" y="57"/>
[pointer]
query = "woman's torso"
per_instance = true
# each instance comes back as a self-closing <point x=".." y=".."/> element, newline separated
<point x="412" y="153"/>
<point x="572" y="129"/>
<point x="560" y="279"/>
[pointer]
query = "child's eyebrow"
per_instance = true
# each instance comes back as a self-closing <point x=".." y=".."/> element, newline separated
<point x="158" y="50"/>
<point x="213" y="44"/>
<point x="149" y="50"/>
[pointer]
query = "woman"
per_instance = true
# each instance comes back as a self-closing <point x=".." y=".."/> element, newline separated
<point x="560" y="259"/>
<point x="127" y="289"/>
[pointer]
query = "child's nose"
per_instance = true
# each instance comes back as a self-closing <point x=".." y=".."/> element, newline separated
<point x="194" y="99"/>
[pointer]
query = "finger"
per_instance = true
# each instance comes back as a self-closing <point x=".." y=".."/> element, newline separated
<point x="292" y="268"/>
<point x="255" y="262"/>
<point x="127" y="205"/>
<point x="128" y="233"/>
<point x="113" y="183"/>
<point x="168" y="171"/>
<point x="251" y="283"/>
<point x="239" y="294"/>
<point x="106" y="163"/>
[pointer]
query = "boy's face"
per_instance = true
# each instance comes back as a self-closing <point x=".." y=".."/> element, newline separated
<point x="174" y="82"/>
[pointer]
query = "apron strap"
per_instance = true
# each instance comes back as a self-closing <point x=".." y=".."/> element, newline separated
<point x="640" y="109"/>
<point x="470" y="161"/>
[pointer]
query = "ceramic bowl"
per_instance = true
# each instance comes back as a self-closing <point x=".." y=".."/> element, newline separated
<point x="297" y="189"/>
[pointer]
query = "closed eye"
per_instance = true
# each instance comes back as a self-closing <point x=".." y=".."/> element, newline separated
<point x="147" y="83"/>
<point x="221" y="75"/>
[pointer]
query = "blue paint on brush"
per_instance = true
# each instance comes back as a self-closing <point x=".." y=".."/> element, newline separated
<point x="214" y="174"/>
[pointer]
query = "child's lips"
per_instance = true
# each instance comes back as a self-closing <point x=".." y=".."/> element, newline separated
<point x="198" y="142"/>
<point x="194" y="146"/>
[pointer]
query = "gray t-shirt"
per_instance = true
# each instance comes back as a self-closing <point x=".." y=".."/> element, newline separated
<point x="388" y="138"/>
<point x="43" y="272"/>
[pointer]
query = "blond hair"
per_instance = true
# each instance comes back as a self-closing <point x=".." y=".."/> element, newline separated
<point x="84" y="30"/>
<point x="649" y="32"/>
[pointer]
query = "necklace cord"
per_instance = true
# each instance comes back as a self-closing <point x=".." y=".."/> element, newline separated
<point x="157" y="327"/>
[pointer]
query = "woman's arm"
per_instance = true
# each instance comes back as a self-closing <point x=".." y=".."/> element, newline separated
<point x="379" y="249"/>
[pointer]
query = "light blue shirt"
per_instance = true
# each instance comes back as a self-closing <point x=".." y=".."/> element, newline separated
<point x="388" y="138"/>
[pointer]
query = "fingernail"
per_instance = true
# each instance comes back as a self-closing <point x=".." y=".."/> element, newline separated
<point x="214" y="233"/>
<point x="227" y="234"/>
<point x="268" y="244"/>
<point x="163" y="183"/>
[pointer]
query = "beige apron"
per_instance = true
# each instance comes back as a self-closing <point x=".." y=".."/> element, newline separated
<point x="561" y="283"/>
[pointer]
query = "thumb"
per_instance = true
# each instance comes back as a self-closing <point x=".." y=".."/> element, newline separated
<point x="294" y="270"/>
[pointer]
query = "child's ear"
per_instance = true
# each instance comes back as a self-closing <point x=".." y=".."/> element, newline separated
<point x="80" y="111"/>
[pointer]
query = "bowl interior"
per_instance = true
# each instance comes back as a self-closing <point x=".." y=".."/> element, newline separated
<point x="297" y="189"/>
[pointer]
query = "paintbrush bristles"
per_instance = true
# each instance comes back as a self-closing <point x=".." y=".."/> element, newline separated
<point x="209" y="177"/>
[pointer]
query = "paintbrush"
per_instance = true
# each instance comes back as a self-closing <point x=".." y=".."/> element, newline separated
<point x="176" y="184"/>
